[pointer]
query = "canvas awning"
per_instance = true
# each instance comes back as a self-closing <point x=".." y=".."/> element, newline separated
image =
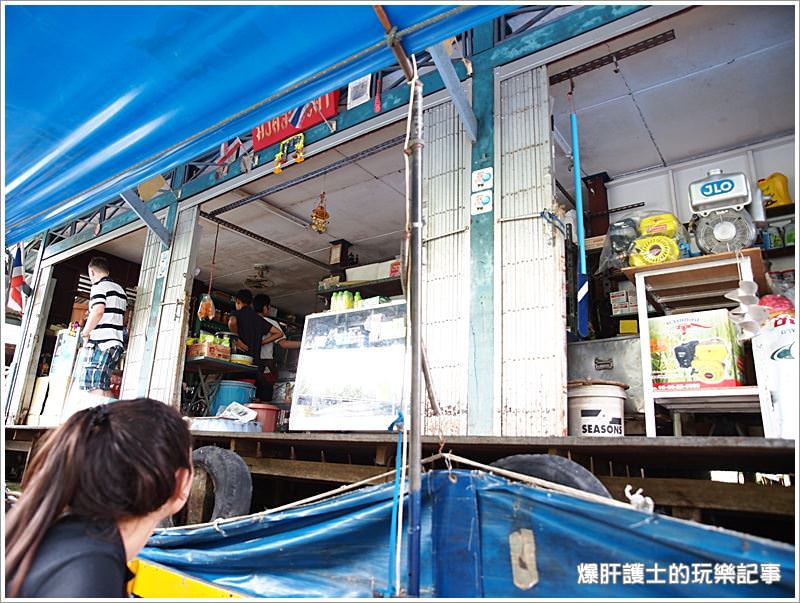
<point x="101" y="98"/>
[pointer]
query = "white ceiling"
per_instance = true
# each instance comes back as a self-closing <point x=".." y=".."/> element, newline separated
<point x="726" y="80"/>
<point x="366" y="204"/>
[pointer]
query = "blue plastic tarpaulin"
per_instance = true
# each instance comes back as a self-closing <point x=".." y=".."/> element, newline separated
<point x="470" y="524"/>
<point x="101" y="98"/>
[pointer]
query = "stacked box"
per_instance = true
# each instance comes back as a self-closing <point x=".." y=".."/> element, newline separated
<point x="695" y="351"/>
<point x="623" y="302"/>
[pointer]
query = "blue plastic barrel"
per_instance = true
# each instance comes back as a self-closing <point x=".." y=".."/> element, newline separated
<point x="232" y="391"/>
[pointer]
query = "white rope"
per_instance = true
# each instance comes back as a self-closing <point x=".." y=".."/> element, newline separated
<point x="388" y="475"/>
<point x="535" y="481"/>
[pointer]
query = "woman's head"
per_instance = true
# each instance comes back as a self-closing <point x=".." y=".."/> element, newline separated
<point x="113" y="462"/>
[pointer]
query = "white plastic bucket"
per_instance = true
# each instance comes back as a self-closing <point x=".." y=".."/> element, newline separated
<point x="596" y="410"/>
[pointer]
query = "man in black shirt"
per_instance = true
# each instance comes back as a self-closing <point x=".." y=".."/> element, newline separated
<point x="252" y="331"/>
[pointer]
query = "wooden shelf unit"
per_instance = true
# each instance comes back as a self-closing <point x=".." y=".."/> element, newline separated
<point x="691" y="285"/>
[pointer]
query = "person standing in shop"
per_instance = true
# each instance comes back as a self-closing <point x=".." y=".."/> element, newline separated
<point x="103" y="331"/>
<point x="253" y="332"/>
<point x="261" y="304"/>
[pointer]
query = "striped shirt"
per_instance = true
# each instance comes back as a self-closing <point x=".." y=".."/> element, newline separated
<point x="108" y="332"/>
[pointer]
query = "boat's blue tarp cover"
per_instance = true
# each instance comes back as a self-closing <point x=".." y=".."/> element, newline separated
<point x="339" y="547"/>
<point x="101" y="98"/>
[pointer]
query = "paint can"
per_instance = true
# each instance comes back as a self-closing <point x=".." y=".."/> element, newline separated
<point x="596" y="408"/>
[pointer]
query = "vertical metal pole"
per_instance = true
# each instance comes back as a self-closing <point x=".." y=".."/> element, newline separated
<point x="414" y="298"/>
<point x="583" y="279"/>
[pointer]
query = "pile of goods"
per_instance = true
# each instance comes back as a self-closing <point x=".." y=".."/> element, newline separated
<point x="207" y="345"/>
<point x="651" y="238"/>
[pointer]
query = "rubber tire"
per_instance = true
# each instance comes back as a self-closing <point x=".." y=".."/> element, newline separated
<point x="554" y="468"/>
<point x="233" y="485"/>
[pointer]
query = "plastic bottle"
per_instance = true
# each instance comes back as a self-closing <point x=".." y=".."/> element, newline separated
<point x="334" y="299"/>
<point x="348" y="300"/>
<point x="357" y="300"/>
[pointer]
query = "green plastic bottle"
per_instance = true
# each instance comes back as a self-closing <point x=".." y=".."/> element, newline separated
<point x="348" y="300"/>
<point x="357" y="300"/>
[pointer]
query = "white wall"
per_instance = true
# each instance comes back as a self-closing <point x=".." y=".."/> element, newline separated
<point x="667" y="189"/>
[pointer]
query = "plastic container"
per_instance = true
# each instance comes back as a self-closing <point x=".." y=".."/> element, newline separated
<point x="596" y="410"/>
<point x="232" y="391"/>
<point x="267" y="415"/>
<point x="219" y="424"/>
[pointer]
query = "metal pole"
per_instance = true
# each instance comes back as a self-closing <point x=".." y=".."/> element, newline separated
<point x="415" y="145"/>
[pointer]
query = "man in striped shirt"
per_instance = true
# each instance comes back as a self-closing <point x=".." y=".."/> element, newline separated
<point x="102" y="333"/>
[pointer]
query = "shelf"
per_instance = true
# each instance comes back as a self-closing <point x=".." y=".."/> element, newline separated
<point x="215" y="326"/>
<point x="385" y="287"/>
<point x="729" y="399"/>
<point x="780" y="252"/>
<point x="675" y="287"/>
<point x="782" y="210"/>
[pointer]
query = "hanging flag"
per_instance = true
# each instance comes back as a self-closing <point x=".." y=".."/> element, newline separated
<point x="18" y="284"/>
<point x="228" y="151"/>
<point x="298" y="114"/>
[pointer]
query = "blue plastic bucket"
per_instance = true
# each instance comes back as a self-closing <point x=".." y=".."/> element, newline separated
<point x="232" y="391"/>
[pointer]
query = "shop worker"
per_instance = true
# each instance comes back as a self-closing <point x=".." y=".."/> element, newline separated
<point x="252" y="331"/>
<point x="103" y="331"/>
<point x="261" y="303"/>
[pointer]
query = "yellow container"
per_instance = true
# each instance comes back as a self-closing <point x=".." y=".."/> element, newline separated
<point x="653" y="250"/>
<point x="660" y="224"/>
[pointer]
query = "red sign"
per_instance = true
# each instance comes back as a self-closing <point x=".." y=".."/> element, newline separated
<point x="281" y="127"/>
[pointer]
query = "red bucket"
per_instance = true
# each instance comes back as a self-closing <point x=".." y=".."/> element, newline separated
<point x="267" y="415"/>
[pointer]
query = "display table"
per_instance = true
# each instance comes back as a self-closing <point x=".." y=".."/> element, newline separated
<point x="209" y="372"/>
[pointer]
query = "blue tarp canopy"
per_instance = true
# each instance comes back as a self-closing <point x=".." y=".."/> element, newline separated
<point x="470" y="521"/>
<point x="100" y="98"/>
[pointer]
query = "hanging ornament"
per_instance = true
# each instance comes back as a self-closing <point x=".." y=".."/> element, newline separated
<point x="320" y="216"/>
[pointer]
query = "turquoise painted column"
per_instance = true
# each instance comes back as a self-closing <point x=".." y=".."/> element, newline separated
<point x="480" y="393"/>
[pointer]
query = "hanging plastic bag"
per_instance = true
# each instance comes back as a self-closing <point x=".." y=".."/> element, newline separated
<point x="618" y="244"/>
<point x="206" y="310"/>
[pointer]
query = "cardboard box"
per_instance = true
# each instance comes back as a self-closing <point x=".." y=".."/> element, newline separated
<point x="695" y="351"/>
<point x="362" y="273"/>
<point x="618" y="298"/>
<point x="629" y="327"/>
<point x="389" y="269"/>
<point x="208" y="350"/>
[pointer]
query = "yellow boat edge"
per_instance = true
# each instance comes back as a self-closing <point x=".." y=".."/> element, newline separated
<point x="154" y="581"/>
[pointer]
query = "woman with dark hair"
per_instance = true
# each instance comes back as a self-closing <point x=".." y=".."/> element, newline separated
<point x="92" y="495"/>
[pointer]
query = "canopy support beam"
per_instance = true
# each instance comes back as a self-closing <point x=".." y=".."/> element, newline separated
<point x="393" y="41"/>
<point x="147" y="216"/>
<point x="453" y="85"/>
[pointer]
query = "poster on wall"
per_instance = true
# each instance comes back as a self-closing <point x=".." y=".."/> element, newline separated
<point x="358" y="91"/>
<point x="351" y="373"/>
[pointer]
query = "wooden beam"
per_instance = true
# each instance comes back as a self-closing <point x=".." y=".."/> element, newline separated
<point x="18" y="445"/>
<point x="197" y="497"/>
<point x="706" y="494"/>
<point x="342" y="473"/>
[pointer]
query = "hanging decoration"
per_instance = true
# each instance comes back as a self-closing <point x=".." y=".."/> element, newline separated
<point x="749" y="316"/>
<point x="320" y="216"/>
<point x="293" y="146"/>
<point x="206" y="310"/>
